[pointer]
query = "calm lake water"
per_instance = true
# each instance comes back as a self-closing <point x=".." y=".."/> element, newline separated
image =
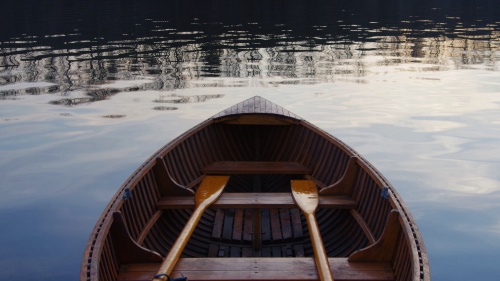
<point x="90" y="89"/>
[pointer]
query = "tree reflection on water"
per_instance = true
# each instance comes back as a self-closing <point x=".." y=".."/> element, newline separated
<point x="177" y="44"/>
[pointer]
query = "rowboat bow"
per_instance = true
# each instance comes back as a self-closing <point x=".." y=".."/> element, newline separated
<point x="256" y="193"/>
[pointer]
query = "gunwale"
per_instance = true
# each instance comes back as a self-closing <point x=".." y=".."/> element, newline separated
<point x="261" y="108"/>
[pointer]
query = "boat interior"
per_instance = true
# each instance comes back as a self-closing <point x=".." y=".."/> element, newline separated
<point x="255" y="231"/>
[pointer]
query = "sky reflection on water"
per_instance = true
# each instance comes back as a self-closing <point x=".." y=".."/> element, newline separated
<point x="417" y="95"/>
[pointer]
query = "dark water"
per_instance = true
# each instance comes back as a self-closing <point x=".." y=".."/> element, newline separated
<point x="79" y="43"/>
<point x="89" y="89"/>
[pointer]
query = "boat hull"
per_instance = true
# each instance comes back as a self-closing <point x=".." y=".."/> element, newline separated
<point x="255" y="224"/>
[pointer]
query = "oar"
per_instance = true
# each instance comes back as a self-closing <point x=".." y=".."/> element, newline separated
<point x="208" y="192"/>
<point x="305" y="196"/>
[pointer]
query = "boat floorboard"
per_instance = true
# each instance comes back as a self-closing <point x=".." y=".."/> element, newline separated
<point x="197" y="269"/>
<point x="276" y="224"/>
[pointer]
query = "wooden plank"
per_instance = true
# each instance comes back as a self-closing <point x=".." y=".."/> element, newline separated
<point x="246" y="252"/>
<point x="248" y="228"/>
<point x="275" y="224"/>
<point x="227" y="230"/>
<point x="276" y="251"/>
<point x="257" y="230"/>
<point x="265" y="252"/>
<point x="238" y="224"/>
<point x="299" y="250"/>
<point x="287" y="250"/>
<point x="257" y="253"/>
<point x="219" y="219"/>
<point x="255" y="167"/>
<point x="246" y="269"/>
<point x="256" y="106"/>
<point x="235" y="252"/>
<point x="266" y="225"/>
<point x="223" y="252"/>
<point x="213" y="249"/>
<point x="286" y="227"/>
<point x="257" y="119"/>
<point x="256" y="200"/>
<point x="257" y="221"/>
<point x="296" y="223"/>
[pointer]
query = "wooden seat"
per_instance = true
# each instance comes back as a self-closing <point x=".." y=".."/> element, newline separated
<point x="241" y="269"/>
<point x="256" y="200"/>
<point x="255" y="167"/>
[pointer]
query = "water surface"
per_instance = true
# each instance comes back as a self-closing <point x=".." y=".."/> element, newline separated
<point x="90" y="89"/>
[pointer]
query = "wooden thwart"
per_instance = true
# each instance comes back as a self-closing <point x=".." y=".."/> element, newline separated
<point x="209" y="190"/>
<point x="246" y="269"/>
<point x="256" y="200"/>
<point x="255" y="167"/>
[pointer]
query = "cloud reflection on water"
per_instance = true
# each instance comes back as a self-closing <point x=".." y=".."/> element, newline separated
<point x="414" y="89"/>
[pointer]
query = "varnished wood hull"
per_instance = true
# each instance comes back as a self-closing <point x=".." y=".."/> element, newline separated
<point x="262" y="147"/>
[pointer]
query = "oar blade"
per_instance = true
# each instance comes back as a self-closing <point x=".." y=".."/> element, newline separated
<point x="305" y="195"/>
<point x="210" y="190"/>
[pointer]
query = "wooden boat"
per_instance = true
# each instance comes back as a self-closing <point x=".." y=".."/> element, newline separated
<point x="256" y="193"/>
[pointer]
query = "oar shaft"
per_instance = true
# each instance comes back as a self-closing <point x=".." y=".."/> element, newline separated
<point x="175" y="252"/>
<point x="207" y="193"/>
<point x="321" y="258"/>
